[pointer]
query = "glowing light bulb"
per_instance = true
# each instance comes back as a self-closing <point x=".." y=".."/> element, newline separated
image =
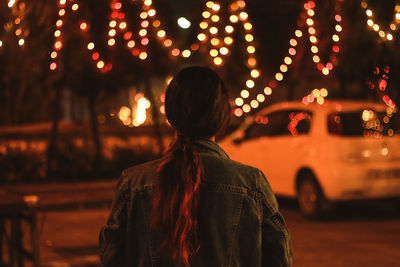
<point x="184" y="23"/>
<point x="244" y="93"/>
<point x="267" y="90"/>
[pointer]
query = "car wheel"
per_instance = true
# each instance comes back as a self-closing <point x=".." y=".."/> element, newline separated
<point x="310" y="198"/>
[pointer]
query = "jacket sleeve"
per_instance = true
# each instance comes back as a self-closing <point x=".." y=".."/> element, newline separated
<point x="276" y="241"/>
<point x="112" y="236"/>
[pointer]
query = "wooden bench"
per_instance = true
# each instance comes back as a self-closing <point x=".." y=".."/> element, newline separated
<point x="22" y="203"/>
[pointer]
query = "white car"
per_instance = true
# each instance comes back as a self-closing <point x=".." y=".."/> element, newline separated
<point x="319" y="154"/>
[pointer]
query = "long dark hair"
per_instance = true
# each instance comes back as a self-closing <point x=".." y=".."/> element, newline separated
<point x="197" y="106"/>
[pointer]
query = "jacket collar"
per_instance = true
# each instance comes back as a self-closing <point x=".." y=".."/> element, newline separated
<point x="208" y="146"/>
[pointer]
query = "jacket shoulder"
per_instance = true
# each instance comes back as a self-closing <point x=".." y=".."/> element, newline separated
<point x="141" y="176"/>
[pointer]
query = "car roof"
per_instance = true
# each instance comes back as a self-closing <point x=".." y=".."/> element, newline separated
<point x="328" y="105"/>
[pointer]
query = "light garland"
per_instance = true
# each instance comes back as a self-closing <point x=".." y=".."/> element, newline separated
<point x="16" y="23"/>
<point x="382" y="81"/>
<point x="278" y="77"/>
<point x="312" y="32"/>
<point x="98" y="61"/>
<point x="309" y="6"/>
<point x="387" y="33"/>
<point x="317" y="94"/>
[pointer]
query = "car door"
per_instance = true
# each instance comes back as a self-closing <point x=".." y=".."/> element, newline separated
<point x="274" y="144"/>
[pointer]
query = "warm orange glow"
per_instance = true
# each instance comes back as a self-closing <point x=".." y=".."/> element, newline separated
<point x="131" y="44"/>
<point x="288" y="60"/>
<point x="186" y="53"/>
<point x="213" y="30"/>
<point x="223" y="50"/>
<point x="57" y="45"/>
<point x="57" y="33"/>
<point x="156" y="24"/>
<point x="316" y="59"/>
<point x="213" y="52"/>
<point x="267" y="90"/>
<point x="75" y="7"/>
<point x="215" y="18"/>
<point x="95" y="56"/>
<point x="250" y="83"/>
<point x="239" y="101"/>
<point x="53" y="66"/>
<point x="215" y="7"/>
<point x="238" y="112"/>
<point x="206" y="14"/>
<point x="127" y="35"/>
<point x="53" y="54"/>
<point x="228" y="40"/>
<point x="112" y="32"/>
<point x="122" y="25"/>
<point x="175" y="52"/>
<point x="292" y="51"/>
<point x="214" y="41"/>
<point x="218" y="61"/>
<point x="203" y="25"/>
<point x="293" y="42"/>
<point x="244" y="93"/>
<point x="167" y="43"/>
<point x="143" y="55"/>
<point x="255" y="73"/>
<point x="59" y="23"/>
<point x="161" y="34"/>
<point x="260" y="98"/>
<point x="112" y="23"/>
<point x="243" y="15"/>
<point x="229" y="29"/>
<point x="314" y="49"/>
<point x="279" y="76"/>
<point x="252" y="61"/>
<point x="83" y="26"/>
<point x="143" y="15"/>
<point x="249" y="37"/>
<point x="251" y="49"/>
<point x="241" y="3"/>
<point x="298" y="33"/>
<point x="201" y="37"/>
<point x="61" y="13"/>
<point x="283" y="68"/>
<point x="233" y="18"/>
<point x="145" y="41"/>
<point x="143" y="32"/>
<point x="100" y="64"/>
<point x="254" y="103"/>
<point x="247" y="26"/>
<point x="111" y="42"/>
<point x="246" y="108"/>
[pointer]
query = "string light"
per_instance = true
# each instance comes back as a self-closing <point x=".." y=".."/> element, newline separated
<point x="317" y="95"/>
<point x="324" y="68"/>
<point x="388" y="33"/>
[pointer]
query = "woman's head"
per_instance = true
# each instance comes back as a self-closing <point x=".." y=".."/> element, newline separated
<point x="197" y="103"/>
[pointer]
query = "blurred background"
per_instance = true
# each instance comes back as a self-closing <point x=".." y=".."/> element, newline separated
<point x="82" y="97"/>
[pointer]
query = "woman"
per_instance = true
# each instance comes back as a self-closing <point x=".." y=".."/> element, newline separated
<point x="195" y="206"/>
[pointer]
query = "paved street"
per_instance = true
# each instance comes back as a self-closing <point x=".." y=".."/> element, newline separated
<point x="359" y="235"/>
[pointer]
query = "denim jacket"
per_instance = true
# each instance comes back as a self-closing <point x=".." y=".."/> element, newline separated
<point x="239" y="221"/>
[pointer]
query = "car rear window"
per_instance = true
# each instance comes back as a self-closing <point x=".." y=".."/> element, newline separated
<point x="365" y="122"/>
<point x="279" y="123"/>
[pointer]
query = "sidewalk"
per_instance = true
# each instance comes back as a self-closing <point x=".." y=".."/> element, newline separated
<point x="70" y="238"/>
